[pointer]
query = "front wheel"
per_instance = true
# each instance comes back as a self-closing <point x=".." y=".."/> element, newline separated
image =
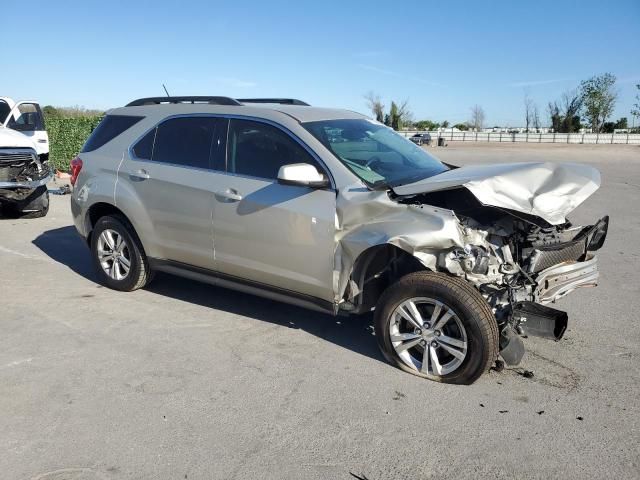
<point x="438" y="327"/>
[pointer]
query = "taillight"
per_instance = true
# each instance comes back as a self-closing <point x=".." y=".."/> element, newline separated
<point x="76" y="166"/>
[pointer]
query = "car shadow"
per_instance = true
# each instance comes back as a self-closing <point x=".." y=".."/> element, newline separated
<point x="65" y="246"/>
<point x="270" y="196"/>
<point x="354" y="333"/>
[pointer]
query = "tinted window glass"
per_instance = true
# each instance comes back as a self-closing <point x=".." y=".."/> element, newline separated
<point x="259" y="150"/>
<point x="144" y="148"/>
<point x="109" y="128"/>
<point x="28" y="118"/>
<point x="4" y="110"/>
<point x="185" y="141"/>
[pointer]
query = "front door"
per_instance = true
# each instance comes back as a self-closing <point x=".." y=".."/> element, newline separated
<point x="274" y="234"/>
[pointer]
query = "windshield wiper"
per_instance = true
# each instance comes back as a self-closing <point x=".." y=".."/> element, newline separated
<point x="379" y="185"/>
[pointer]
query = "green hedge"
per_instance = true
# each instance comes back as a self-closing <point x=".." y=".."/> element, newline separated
<point x="66" y="137"/>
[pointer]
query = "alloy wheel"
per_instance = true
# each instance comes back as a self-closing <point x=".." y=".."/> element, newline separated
<point x="114" y="254"/>
<point x="428" y="336"/>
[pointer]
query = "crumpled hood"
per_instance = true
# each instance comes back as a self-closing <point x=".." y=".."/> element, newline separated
<point x="12" y="139"/>
<point x="547" y="190"/>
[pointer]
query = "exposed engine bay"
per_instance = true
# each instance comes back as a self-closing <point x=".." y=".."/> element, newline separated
<point x="519" y="262"/>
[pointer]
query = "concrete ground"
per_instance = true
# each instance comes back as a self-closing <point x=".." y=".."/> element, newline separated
<point x="185" y="381"/>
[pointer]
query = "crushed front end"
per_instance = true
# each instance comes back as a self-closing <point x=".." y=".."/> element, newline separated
<point x="21" y="173"/>
<point x="519" y="263"/>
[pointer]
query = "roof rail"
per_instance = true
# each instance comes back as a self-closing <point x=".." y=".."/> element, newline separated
<point x="283" y="101"/>
<point x="160" y="100"/>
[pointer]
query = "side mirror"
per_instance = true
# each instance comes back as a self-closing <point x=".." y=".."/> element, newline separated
<point x="303" y="175"/>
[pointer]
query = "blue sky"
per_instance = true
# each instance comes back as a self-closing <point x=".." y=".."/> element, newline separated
<point x="442" y="57"/>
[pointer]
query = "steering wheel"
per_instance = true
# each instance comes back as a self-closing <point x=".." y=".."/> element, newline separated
<point x="371" y="162"/>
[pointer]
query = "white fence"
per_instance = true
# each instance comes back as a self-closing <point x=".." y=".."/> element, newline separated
<point x="587" y="138"/>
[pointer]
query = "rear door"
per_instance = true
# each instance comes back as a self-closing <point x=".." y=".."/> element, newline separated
<point x="27" y="118"/>
<point x="171" y="170"/>
<point x="266" y="232"/>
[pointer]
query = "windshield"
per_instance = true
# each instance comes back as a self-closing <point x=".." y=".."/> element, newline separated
<point x="374" y="152"/>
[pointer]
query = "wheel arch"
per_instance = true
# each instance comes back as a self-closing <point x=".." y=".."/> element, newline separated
<point x="99" y="210"/>
<point x="375" y="269"/>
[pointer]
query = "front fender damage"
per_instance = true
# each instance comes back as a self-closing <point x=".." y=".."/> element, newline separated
<point x="366" y="219"/>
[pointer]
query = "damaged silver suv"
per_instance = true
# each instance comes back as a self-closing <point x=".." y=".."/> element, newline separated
<point x="329" y="210"/>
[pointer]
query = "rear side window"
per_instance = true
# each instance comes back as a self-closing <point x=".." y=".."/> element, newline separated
<point x="185" y="141"/>
<point x="259" y="150"/>
<point x="189" y="141"/>
<point x="109" y="128"/>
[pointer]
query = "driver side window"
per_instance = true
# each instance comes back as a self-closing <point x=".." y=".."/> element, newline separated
<point x="259" y="150"/>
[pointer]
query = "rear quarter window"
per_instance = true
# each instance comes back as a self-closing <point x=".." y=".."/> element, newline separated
<point x="109" y="128"/>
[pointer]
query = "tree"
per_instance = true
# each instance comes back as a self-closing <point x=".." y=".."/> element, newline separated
<point x="50" y="110"/>
<point x="427" y="125"/>
<point x="599" y="99"/>
<point x="536" y="118"/>
<point x="611" y="127"/>
<point x="555" y="116"/>
<point x="572" y="103"/>
<point x="398" y="115"/>
<point x="565" y="116"/>
<point x="375" y="105"/>
<point x="461" y="126"/>
<point x="636" y="106"/>
<point x="528" y="110"/>
<point x="394" y="116"/>
<point x="405" y="115"/>
<point x="445" y="124"/>
<point x="477" y="117"/>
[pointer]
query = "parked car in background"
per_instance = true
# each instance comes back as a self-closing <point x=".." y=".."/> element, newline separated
<point x="330" y="210"/>
<point x="421" y="139"/>
<point x="24" y="159"/>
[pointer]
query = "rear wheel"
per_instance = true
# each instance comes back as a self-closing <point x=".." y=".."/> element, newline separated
<point x="438" y="327"/>
<point x="118" y="256"/>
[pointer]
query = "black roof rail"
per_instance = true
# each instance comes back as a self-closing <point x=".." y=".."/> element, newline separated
<point x="160" y="100"/>
<point x="283" y="101"/>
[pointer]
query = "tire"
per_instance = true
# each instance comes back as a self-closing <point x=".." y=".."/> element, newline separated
<point x="36" y="205"/>
<point x="118" y="229"/>
<point x="471" y="331"/>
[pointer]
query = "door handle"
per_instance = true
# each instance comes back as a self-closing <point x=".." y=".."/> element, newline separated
<point x="230" y="195"/>
<point x="141" y="174"/>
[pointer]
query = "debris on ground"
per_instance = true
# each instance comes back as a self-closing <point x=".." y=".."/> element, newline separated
<point x="63" y="190"/>
<point x="363" y="477"/>
<point x="399" y="395"/>
<point x="498" y="367"/>
<point x="540" y="412"/>
<point x="524" y="373"/>
<point x="579" y="418"/>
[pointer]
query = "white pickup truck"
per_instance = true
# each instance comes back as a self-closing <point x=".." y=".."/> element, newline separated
<point x="24" y="159"/>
